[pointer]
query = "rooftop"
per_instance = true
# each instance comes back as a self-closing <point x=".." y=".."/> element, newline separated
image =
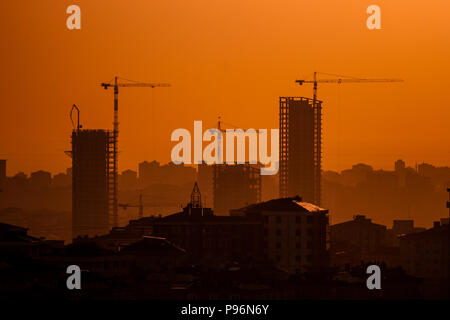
<point x="284" y="204"/>
<point x="435" y="232"/>
<point x="153" y="245"/>
<point x="11" y="233"/>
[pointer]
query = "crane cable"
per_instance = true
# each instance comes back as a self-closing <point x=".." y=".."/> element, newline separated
<point x="338" y="128"/>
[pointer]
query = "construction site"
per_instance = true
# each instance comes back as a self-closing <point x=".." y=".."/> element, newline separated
<point x="95" y="170"/>
<point x="94" y="182"/>
<point x="95" y="163"/>
<point x="300" y="148"/>
<point x="300" y="121"/>
<point x="235" y="186"/>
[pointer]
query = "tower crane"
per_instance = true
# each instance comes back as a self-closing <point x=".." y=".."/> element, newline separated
<point x="219" y="127"/>
<point x="342" y="79"/>
<point x="116" y="86"/>
<point x="224" y="131"/>
<point x="139" y="205"/>
<point x="318" y="109"/>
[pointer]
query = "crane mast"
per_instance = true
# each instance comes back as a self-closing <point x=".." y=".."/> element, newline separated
<point x="140" y="205"/>
<point x="116" y="86"/>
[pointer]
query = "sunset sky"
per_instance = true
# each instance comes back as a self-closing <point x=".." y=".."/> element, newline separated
<point x="232" y="58"/>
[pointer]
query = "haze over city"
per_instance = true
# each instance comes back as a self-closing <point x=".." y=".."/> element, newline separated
<point x="231" y="60"/>
<point x="126" y="173"/>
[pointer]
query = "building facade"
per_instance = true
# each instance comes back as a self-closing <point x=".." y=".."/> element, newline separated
<point x="426" y="254"/>
<point x="357" y="240"/>
<point x="235" y="186"/>
<point x="300" y="148"/>
<point x="295" y="233"/>
<point x="93" y="182"/>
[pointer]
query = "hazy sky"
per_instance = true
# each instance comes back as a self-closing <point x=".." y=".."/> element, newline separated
<point x="231" y="58"/>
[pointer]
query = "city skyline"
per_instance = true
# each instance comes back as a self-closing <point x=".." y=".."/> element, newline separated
<point x="282" y="152"/>
<point x="135" y="168"/>
<point x="234" y="62"/>
<point x="400" y="193"/>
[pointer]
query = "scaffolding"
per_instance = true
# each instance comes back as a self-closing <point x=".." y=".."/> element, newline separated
<point x="300" y="148"/>
<point x="113" y="181"/>
<point x="115" y="136"/>
<point x="94" y="182"/>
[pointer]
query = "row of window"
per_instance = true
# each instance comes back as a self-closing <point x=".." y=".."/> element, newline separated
<point x="298" y="220"/>
<point x="298" y="245"/>
<point x="297" y="258"/>
<point x="309" y="232"/>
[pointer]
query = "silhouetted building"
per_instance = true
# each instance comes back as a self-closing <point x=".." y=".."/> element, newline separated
<point x="19" y="181"/>
<point x="40" y="179"/>
<point x="15" y="242"/>
<point x="403" y="193"/>
<point x="426" y="254"/>
<point x="115" y="240"/>
<point x="403" y="226"/>
<point x="300" y="148"/>
<point x="92" y="182"/>
<point x="287" y="233"/>
<point x="439" y="176"/>
<point x="269" y="187"/>
<point x="93" y="260"/>
<point x="399" y="229"/>
<point x="357" y="174"/>
<point x="359" y="234"/>
<point x="148" y="173"/>
<point x="151" y="173"/>
<point x="62" y="180"/>
<point x="235" y="186"/>
<point x="400" y="165"/>
<point x="2" y="171"/>
<point x="206" y="183"/>
<point x="207" y="238"/>
<point x="128" y="180"/>
<point x="295" y="233"/>
<point x="400" y="170"/>
<point x="155" y="254"/>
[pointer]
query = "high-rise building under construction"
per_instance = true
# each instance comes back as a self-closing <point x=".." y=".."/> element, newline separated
<point x="300" y="148"/>
<point x="93" y="182"/>
<point x="235" y="186"/>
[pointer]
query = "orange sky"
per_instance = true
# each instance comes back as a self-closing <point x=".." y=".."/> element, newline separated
<point x="233" y="58"/>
